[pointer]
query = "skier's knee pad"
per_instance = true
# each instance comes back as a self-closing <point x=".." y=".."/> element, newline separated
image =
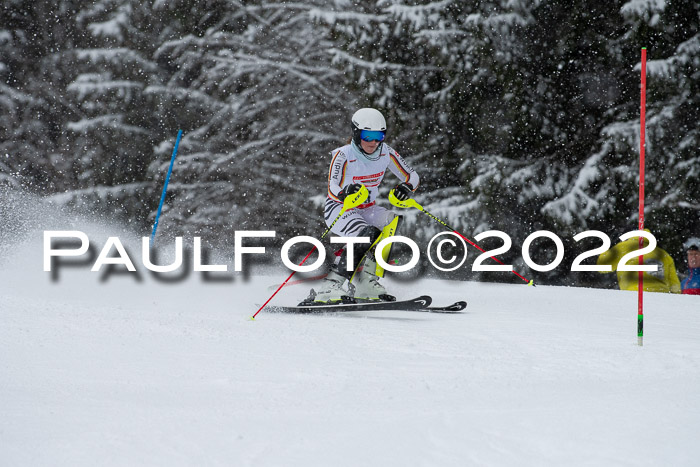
<point x="388" y="231"/>
<point x="392" y="227"/>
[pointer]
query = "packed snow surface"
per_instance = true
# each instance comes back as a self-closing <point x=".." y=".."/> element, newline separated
<point x="122" y="372"/>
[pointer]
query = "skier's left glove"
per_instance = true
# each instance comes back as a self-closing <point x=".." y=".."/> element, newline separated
<point x="403" y="191"/>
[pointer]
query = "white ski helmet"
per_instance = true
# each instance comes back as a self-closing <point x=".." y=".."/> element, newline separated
<point x="370" y="120"/>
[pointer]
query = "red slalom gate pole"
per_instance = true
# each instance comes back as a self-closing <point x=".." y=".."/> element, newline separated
<point x="642" y="121"/>
<point x="283" y="284"/>
<point x="529" y="282"/>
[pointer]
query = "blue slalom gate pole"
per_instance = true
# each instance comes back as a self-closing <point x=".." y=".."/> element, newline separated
<point x="165" y="187"/>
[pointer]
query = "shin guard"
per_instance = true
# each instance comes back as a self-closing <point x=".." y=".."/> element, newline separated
<point x="387" y="232"/>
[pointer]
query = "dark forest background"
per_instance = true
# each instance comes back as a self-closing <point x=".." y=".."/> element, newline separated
<point x="519" y="115"/>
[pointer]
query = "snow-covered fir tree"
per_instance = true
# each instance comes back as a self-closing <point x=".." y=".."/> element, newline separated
<point x="519" y="115"/>
<point x="262" y="107"/>
<point x="35" y="39"/>
<point x="526" y="113"/>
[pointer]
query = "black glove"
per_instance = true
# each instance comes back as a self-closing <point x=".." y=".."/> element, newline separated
<point x="403" y="191"/>
<point x="349" y="190"/>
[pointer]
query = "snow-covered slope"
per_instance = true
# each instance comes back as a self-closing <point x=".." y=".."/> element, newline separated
<point x="145" y="373"/>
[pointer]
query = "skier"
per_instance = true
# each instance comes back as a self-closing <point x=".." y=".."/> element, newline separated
<point x="363" y="161"/>
<point x="664" y="279"/>
<point x="691" y="284"/>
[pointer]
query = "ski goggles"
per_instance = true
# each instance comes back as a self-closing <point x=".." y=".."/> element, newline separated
<point x="369" y="135"/>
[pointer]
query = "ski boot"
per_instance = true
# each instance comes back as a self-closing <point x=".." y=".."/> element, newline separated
<point x="367" y="286"/>
<point x="331" y="290"/>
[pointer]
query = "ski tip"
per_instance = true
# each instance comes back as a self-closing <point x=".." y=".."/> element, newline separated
<point x="532" y="283"/>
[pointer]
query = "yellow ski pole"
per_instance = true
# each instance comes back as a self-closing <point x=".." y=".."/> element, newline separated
<point x="412" y="203"/>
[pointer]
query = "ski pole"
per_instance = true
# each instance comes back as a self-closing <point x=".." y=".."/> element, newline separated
<point x="165" y="187"/>
<point x="642" y="126"/>
<point x="351" y="201"/>
<point x="412" y="203"/>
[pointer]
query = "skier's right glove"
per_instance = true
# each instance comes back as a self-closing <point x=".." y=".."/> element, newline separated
<point x="349" y="190"/>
